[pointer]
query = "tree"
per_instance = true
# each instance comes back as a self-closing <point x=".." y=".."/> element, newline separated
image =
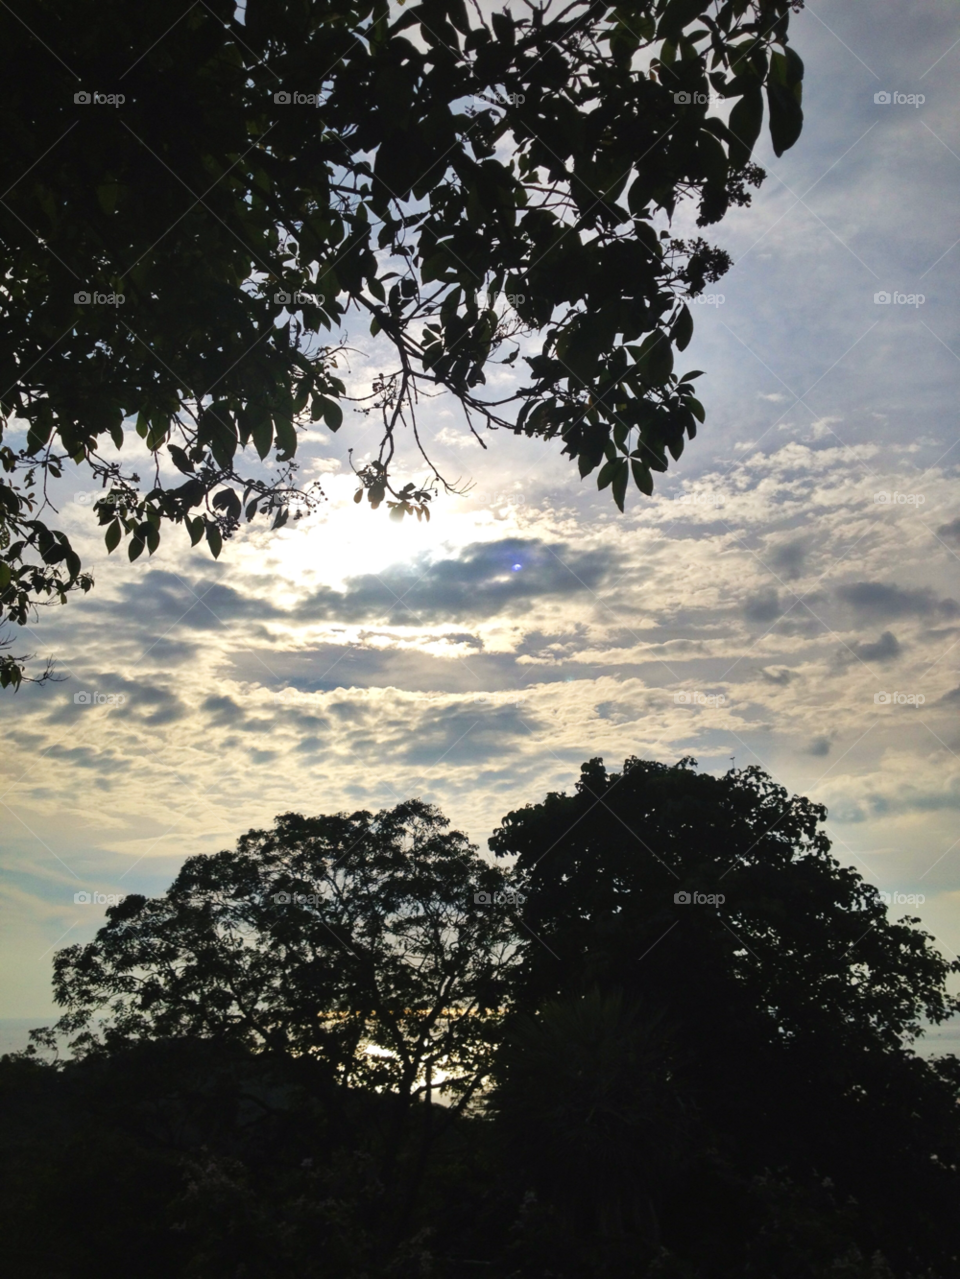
<point x="792" y="1000"/>
<point x="373" y="944"/>
<point x="203" y="200"/>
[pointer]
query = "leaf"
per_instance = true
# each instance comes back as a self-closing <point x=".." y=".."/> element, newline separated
<point x="786" y="116"/>
<point x="135" y="549"/>
<point x="746" y="120"/>
<point x="683" y="328"/>
<point x="331" y="411"/>
<point x="214" y="540"/>
<point x="642" y="478"/>
<point x="195" y="529"/>
<point x="620" y="482"/>
<point x="180" y="459"/>
<point x="262" y="435"/>
<point x="656" y="359"/>
<point x="112" y="536"/>
<point x="286" y="438"/>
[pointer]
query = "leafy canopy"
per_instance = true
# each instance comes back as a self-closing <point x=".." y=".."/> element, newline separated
<point x="356" y="940"/>
<point x="201" y="202"/>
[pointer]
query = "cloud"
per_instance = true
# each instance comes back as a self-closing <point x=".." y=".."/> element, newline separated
<point x="880" y="602"/>
<point x="485" y="580"/>
<point x="781" y="675"/>
<point x="950" y="532"/>
<point x="819" y="746"/>
<point x="882" y="650"/>
<point x="762" y="607"/>
<point x="788" y="558"/>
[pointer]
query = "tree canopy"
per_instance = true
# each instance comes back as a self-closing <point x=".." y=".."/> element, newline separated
<point x="203" y="202"/>
<point x="354" y="939"/>
<point x="674" y="1039"/>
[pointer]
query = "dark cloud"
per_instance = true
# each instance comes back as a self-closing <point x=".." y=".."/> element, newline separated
<point x="819" y="746"/>
<point x="484" y="580"/>
<point x="223" y="712"/>
<point x="780" y="675"/>
<point x="166" y="600"/>
<point x="87" y="757"/>
<point x="950" y="532"/>
<point x="762" y="607"/>
<point x="788" y="559"/>
<point x="952" y="696"/>
<point x="457" y="735"/>
<point x="880" y="602"/>
<point x="881" y="650"/>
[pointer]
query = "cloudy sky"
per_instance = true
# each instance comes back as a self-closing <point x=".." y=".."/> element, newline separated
<point x="476" y="660"/>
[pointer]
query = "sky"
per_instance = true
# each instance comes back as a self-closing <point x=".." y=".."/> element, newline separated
<point x="789" y="597"/>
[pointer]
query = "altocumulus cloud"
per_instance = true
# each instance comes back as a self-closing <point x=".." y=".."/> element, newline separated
<point x="486" y="579"/>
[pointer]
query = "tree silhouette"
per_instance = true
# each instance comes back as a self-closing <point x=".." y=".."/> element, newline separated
<point x="203" y="202"/>
<point x="791" y="998"/>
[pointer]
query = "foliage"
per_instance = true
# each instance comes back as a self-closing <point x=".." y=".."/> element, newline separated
<point x="791" y="1003"/>
<point x="353" y="939"/>
<point x="586" y="1080"/>
<point x="203" y="200"/>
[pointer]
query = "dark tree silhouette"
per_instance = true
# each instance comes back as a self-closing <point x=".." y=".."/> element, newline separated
<point x="792" y="999"/>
